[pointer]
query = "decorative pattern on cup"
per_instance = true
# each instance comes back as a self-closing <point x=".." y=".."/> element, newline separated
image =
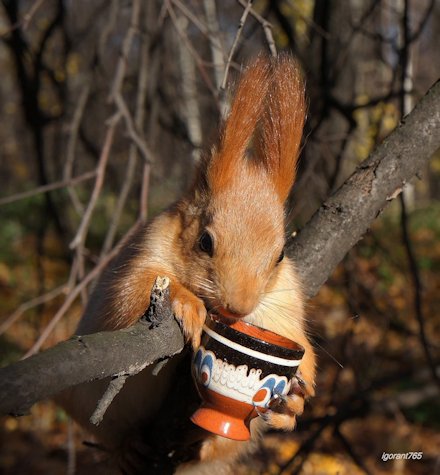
<point x="238" y="382"/>
<point x="246" y="363"/>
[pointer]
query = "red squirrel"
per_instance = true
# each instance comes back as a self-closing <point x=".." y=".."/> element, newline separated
<point x="221" y="246"/>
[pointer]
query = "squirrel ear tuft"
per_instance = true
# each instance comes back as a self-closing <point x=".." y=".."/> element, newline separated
<point x="268" y="111"/>
<point x="238" y="131"/>
<point x="279" y="136"/>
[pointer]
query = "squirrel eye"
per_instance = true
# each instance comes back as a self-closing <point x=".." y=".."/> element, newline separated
<point x="281" y="257"/>
<point x="206" y="243"/>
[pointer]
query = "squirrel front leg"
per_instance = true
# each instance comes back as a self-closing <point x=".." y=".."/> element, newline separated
<point x="122" y="295"/>
<point x="189" y="310"/>
<point x="283" y="414"/>
<point x="121" y="311"/>
<point x="284" y="298"/>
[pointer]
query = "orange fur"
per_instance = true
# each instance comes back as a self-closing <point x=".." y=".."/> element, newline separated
<point x="282" y="125"/>
<point x="238" y="199"/>
<point x="246" y="111"/>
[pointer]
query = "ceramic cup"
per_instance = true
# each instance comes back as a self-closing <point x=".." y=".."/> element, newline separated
<point x="239" y="370"/>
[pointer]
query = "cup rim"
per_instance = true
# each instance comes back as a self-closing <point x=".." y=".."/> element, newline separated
<point x="260" y="338"/>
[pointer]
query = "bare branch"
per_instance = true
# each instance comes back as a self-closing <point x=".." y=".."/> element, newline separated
<point x="199" y="61"/>
<point x="215" y="43"/>
<point x="100" y="171"/>
<point x="71" y="145"/>
<point x="146" y="153"/>
<point x="90" y="357"/>
<point x="190" y="99"/>
<point x="406" y="104"/>
<point x="76" y="291"/>
<point x="193" y="18"/>
<point x="266" y="25"/>
<point x="24" y="307"/>
<point x="235" y="42"/>
<point x="346" y="215"/>
<point x="337" y="226"/>
<point x="126" y="46"/>
<point x="143" y="208"/>
<point x="25" y="21"/>
<point x="114" y="387"/>
<point x="50" y="187"/>
<point x="132" y="154"/>
<point x="108" y="26"/>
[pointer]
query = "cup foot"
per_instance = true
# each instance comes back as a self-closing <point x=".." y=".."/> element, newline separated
<point x="217" y="422"/>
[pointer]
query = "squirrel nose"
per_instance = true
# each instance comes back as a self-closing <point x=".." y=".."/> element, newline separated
<point x="237" y="309"/>
<point x="238" y="298"/>
<point x="230" y="313"/>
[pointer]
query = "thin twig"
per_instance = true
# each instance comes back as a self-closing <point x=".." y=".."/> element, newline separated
<point x="344" y="52"/>
<point x="349" y="449"/>
<point x="76" y="291"/>
<point x="405" y="108"/>
<point x="122" y="198"/>
<point x="100" y="172"/>
<point x="153" y="72"/>
<point x="235" y="42"/>
<point x="312" y="24"/>
<point x="71" y="145"/>
<point x="81" y="271"/>
<point x="25" y="21"/>
<point x="193" y="18"/>
<point x="126" y="46"/>
<point x="215" y="43"/>
<point x="108" y="26"/>
<point x="143" y="75"/>
<point x="414" y="36"/>
<point x="27" y="17"/>
<point x="73" y="274"/>
<point x="78" y="242"/>
<point x="266" y="25"/>
<point x="415" y="277"/>
<point x="145" y="151"/>
<point x="24" y="307"/>
<point x="143" y="208"/>
<point x="190" y="94"/>
<point x="111" y="392"/>
<point x="199" y="61"/>
<point x="50" y="187"/>
<point x="71" y="448"/>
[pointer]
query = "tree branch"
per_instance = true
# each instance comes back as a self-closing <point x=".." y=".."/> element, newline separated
<point x="91" y="357"/>
<point x="317" y="249"/>
<point x="343" y="219"/>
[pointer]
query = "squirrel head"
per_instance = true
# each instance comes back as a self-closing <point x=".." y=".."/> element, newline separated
<point x="235" y="228"/>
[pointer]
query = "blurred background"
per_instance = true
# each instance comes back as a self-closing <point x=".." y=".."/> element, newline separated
<point x="105" y="108"/>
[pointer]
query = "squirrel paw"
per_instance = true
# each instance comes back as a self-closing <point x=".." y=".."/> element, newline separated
<point x="191" y="312"/>
<point x="284" y="410"/>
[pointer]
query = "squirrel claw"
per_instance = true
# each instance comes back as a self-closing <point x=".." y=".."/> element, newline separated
<point x="277" y="401"/>
<point x="283" y="411"/>
<point x="301" y="387"/>
<point x="300" y="381"/>
<point x="285" y="408"/>
<point x="191" y="313"/>
<point x="298" y="386"/>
